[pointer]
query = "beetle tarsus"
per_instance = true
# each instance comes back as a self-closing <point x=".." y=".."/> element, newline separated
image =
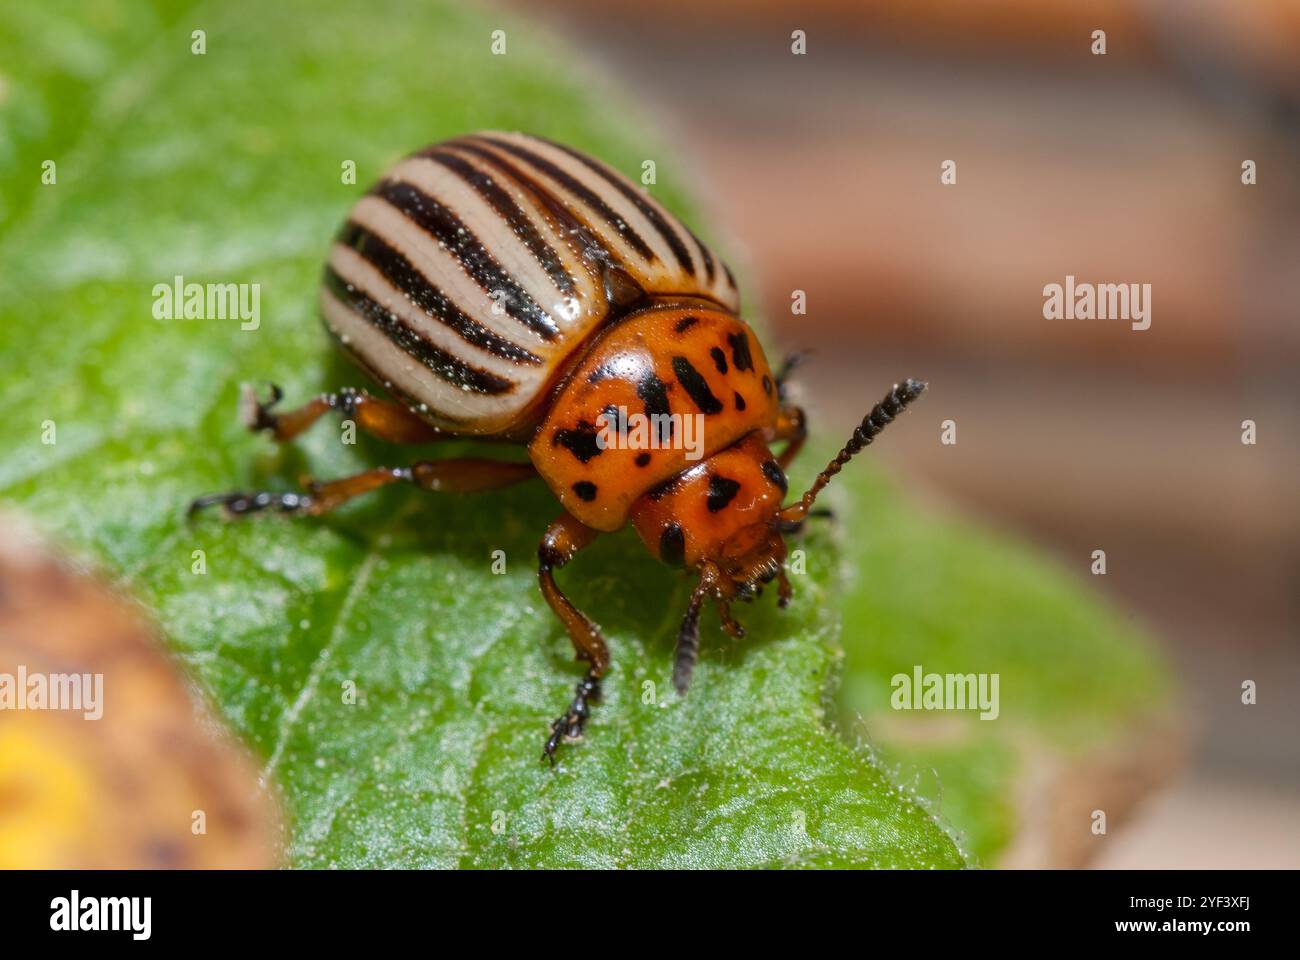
<point x="255" y="412"/>
<point x="238" y="504"/>
<point x="785" y="591"/>
<point x="788" y="365"/>
<point x="729" y="623"/>
<point x="569" y="725"/>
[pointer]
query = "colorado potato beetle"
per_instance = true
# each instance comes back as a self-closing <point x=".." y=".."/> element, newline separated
<point x="500" y="285"/>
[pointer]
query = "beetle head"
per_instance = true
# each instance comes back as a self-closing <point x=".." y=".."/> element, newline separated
<point x="724" y="519"/>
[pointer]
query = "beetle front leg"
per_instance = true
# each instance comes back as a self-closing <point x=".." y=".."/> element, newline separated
<point x="564" y="538"/>
<point x="792" y="427"/>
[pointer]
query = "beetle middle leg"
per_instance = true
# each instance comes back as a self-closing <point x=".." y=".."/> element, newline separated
<point x="792" y="427"/>
<point x="465" y="475"/>
<point x="380" y="418"/>
<point x="564" y="538"/>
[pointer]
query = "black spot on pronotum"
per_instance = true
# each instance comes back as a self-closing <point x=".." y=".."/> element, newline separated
<point x="654" y="394"/>
<point x="772" y="470"/>
<point x="642" y="459"/>
<point x="696" y="386"/>
<point x="672" y="545"/>
<point x="580" y="442"/>
<point x="740" y="354"/>
<point x="614" y="420"/>
<point x="685" y="323"/>
<point x="585" y="489"/>
<point x="722" y="490"/>
<point x="740" y="401"/>
<point x="719" y="359"/>
<point x="767" y="384"/>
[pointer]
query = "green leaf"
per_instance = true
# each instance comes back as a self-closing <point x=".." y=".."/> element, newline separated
<point x="1076" y="678"/>
<point x="225" y="167"/>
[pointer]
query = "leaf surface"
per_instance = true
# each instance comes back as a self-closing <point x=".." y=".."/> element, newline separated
<point x="225" y="167"/>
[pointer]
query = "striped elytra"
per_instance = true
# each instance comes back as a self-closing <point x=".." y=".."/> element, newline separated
<point x="505" y="287"/>
<point x="466" y="279"/>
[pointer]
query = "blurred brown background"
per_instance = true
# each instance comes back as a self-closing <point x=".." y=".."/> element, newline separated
<point x="1078" y="434"/>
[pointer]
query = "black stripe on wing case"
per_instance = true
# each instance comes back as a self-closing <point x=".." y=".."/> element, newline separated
<point x="439" y="362"/>
<point x="582" y="192"/>
<point x="460" y="242"/>
<point x="662" y="226"/>
<point x="704" y="252"/>
<point x="510" y="212"/>
<point x="427" y="298"/>
<point x="587" y="244"/>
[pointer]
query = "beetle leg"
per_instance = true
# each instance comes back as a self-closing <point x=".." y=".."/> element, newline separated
<point x="784" y="591"/>
<point x="466" y="475"/>
<point x="688" y="635"/>
<point x="729" y="623"/>
<point x="237" y="503"/>
<point x="568" y="726"/>
<point x="564" y="538"/>
<point x="788" y="365"/>
<point x="791" y="426"/>
<point x="380" y="418"/>
<point x="318" y="498"/>
<point x="469" y="474"/>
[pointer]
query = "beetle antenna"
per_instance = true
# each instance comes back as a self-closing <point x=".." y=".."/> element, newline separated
<point x="881" y="415"/>
<point x="688" y="638"/>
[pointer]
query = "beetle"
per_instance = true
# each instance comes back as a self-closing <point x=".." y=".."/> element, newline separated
<point x="502" y="286"/>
